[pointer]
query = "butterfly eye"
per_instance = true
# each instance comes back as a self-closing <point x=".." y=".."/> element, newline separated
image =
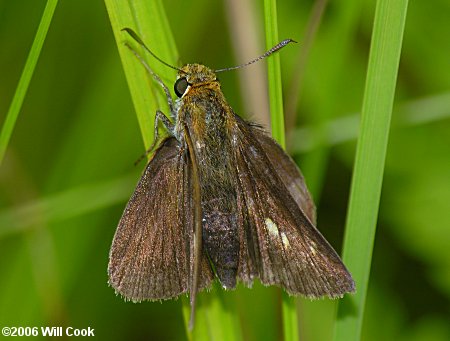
<point x="180" y="86"/>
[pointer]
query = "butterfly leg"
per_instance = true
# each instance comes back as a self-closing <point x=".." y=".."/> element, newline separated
<point x="169" y="126"/>
<point x="157" y="79"/>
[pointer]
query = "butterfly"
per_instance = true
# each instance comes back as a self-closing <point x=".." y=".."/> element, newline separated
<point x="221" y="199"/>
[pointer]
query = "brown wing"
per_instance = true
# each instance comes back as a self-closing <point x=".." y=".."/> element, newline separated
<point x="279" y="244"/>
<point x="292" y="177"/>
<point x="151" y="254"/>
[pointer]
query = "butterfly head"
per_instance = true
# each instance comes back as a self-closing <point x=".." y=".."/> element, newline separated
<point x="193" y="75"/>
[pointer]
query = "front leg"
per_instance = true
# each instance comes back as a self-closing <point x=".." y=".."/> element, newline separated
<point x="169" y="126"/>
<point x="155" y="77"/>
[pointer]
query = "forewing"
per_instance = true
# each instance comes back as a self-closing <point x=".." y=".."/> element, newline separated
<point x="288" y="171"/>
<point x="150" y="258"/>
<point x="279" y="244"/>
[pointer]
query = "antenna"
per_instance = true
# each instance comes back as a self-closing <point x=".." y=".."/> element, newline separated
<point x="140" y="42"/>
<point x="274" y="49"/>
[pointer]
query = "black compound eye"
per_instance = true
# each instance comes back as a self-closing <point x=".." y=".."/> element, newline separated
<point x="180" y="86"/>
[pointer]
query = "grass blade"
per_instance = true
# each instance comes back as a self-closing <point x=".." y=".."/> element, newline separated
<point x="370" y="158"/>
<point x="290" y="324"/>
<point x="343" y="129"/>
<point x="25" y="79"/>
<point x="274" y="73"/>
<point x="343" y="28"/>
<point x="65" y="205"/>
<point x="149" y="21"/>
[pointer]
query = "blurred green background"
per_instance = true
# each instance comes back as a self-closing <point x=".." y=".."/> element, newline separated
<point x="69" y="168"/>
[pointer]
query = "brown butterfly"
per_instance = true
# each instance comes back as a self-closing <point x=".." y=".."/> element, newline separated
<point x="219" y="198"/>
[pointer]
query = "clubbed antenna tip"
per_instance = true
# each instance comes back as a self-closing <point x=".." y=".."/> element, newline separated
<point x="274" y="49"/>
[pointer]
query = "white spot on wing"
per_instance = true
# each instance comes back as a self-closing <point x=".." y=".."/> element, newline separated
<point x="285" y="240"/>
<point x="271" y="227"/>
<point x="312" y="247"/>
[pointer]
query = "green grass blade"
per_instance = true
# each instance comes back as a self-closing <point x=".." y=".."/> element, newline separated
<point x="25" y="79"/>
<point x="274" y="73"/>
<point x="65" y="205"/>
<point x="221" y="316"/>
<point x="343" y="129"/>
<point x="149" y="21"/>
<point x="290" y="325"/>
<point x="290" y="317"/>
<point x="342" y="29"/>
<point x="370" y="158"/>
